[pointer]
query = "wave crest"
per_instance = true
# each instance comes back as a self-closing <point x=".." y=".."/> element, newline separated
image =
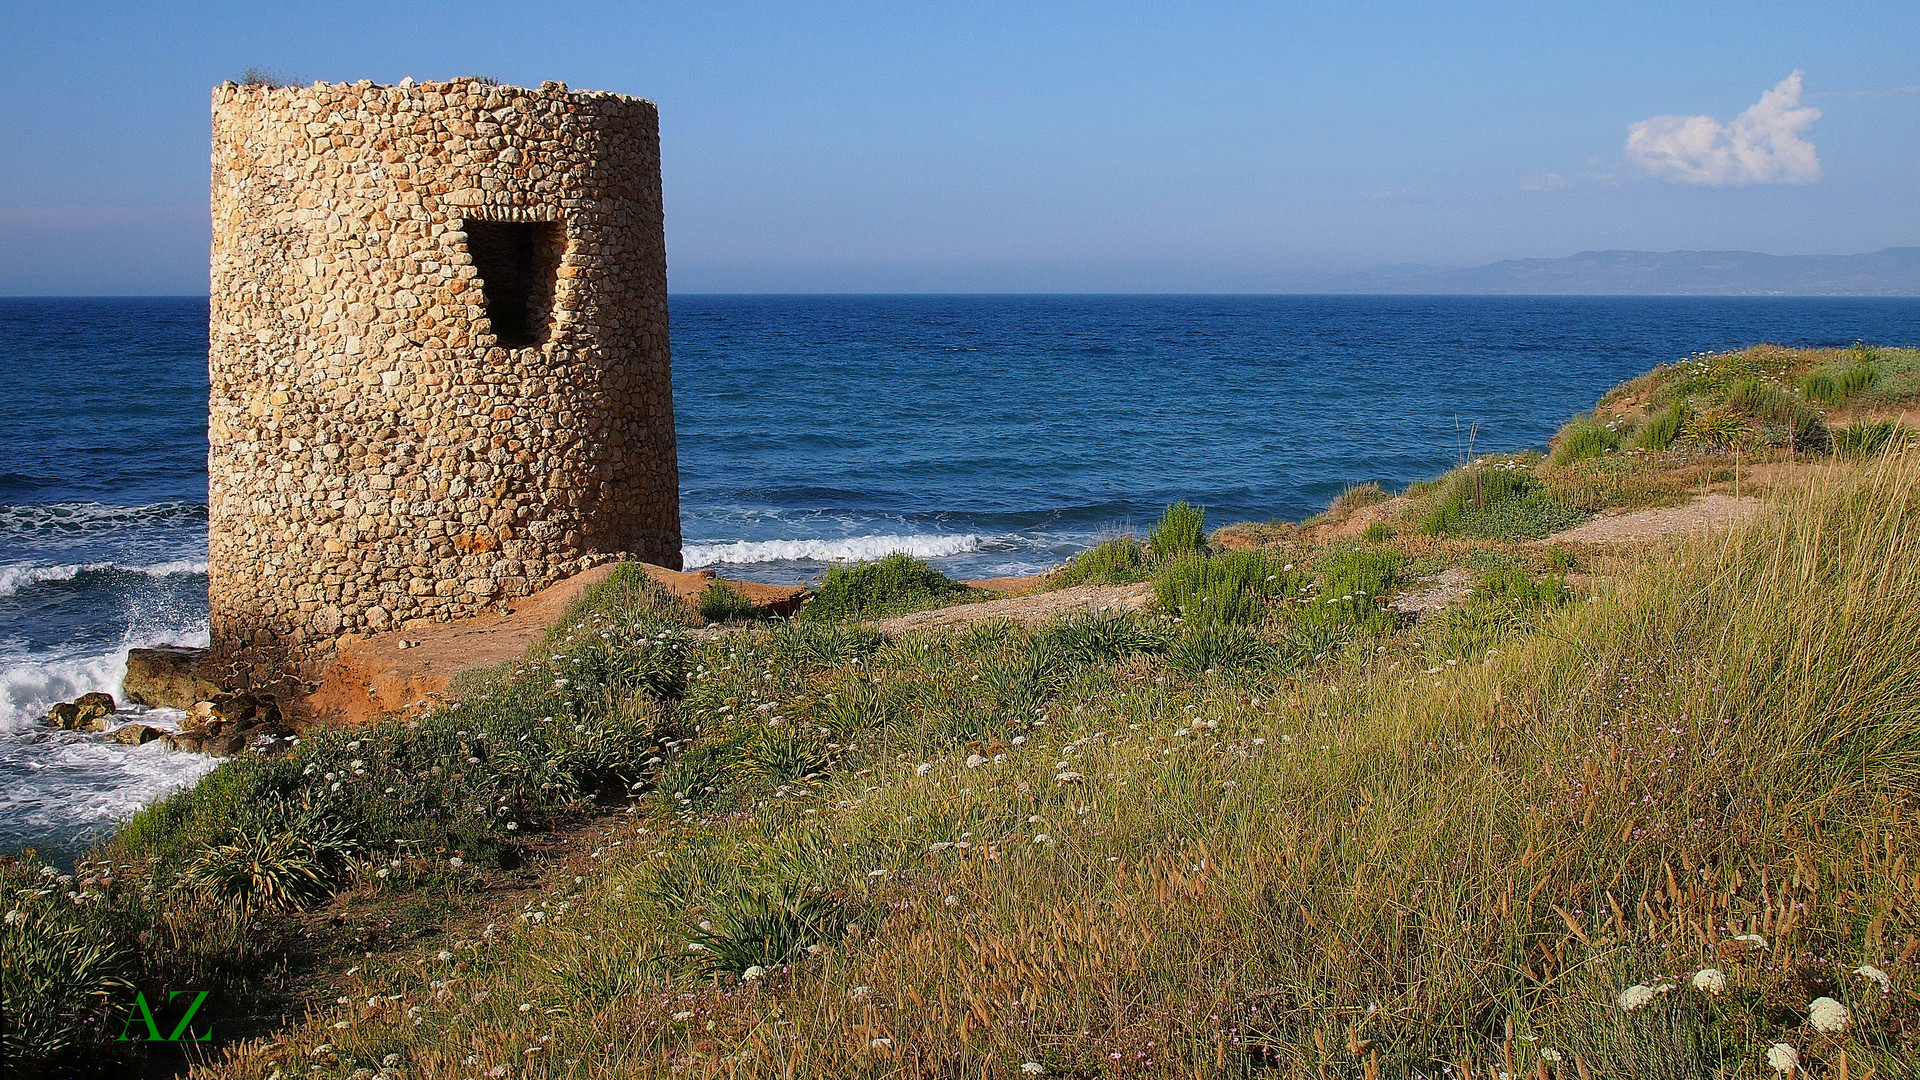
<point x="843" y="549"/>
<point x="16" y="577"/>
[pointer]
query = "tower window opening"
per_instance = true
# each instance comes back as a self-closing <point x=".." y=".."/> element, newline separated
<point x="519" y="266"/>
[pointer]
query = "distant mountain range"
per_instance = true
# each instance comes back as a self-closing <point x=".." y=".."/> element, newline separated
<point x="1893" y="272"/>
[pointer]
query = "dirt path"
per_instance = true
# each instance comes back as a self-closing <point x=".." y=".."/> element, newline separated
<point x="1704" y="512"/>
<point x="1031" y="608"/>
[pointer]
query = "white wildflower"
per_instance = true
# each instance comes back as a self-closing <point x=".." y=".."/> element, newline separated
<point x="1782" y="1058"/>
<point x="1876" y="976"/>
<point x="1710" y="981"/>
<point x="1829" y="1016"/>
<point x="1033" y="1068"/>
<point x="974" y="761"/>
<point x="1637" y="996"/>
<point x="1042" y="838"/>
<point x="1068" y="777"/>
<point x="684" y="1014"/>
<point x="881" y="1043"/>
<point x="1549" y="1054"/>
<point x="16" y="917"/>
<point x="456" y="862"/>
<point x="860" y="993"/>
<point x="1754" y="940"/>
<point x="923" y="768"/>
<point x="753" y="973"/>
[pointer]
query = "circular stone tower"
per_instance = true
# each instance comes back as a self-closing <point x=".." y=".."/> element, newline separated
<point x="438" y="349"/>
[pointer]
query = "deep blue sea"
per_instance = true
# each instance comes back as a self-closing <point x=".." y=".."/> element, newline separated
<point x="990" y="434"/>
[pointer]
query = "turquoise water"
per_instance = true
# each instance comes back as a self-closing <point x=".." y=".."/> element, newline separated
<point x="993" y="435"/>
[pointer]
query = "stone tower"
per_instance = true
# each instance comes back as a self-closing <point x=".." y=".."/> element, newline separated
<point x="438" y="349"/>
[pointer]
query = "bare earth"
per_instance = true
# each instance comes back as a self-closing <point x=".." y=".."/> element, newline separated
<point x="1032" y="608"/>
<point x="1704" y="512"/>
<point x="393" y="672"/>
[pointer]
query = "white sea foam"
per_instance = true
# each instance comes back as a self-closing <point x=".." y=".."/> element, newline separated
<point x="17" y="576"/>
<point x="30" y="685"/>
<point x="65" y="788"/>
<point x="70" y="518"/>
<point x="844" y="549"/>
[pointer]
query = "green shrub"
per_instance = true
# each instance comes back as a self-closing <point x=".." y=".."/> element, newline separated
<point x="1377" y="533"/>
<point x="868" y="590"/>
<point x="1231" y="588"/>
<point x="768" y="928"/>
<point x="1865" y="440"/>
<point x="272" y="869"/>
<point x="1831" y="389"/>
<point x="1357" y="496"/>
<point x="1180" y="530"/>
<point x="1718" y="429"/>
<point x="1821" y="387"/>
<point x="1662" y="428"/>
<point x="62" y="974"/>
<point x="721" y="602"/>
<point x="815" y="644"/>
<point x="1216" y="647"/>
<point x="1507" y="600"/>
<point x="1858" y="378"/>
<point x="1583" y="438"/>
<point x="1498" y="504"/>
<point x="1100" y="639"/>
<point x="1119" y="561"/>
<point x="1352" y="586"/>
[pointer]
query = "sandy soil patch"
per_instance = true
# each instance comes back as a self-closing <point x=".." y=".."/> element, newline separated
<point x="1704" y="512"/>
<point x="1033" y="608"/>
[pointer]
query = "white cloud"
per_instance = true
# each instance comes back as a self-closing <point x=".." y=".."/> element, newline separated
<point x="1763" y="145"/>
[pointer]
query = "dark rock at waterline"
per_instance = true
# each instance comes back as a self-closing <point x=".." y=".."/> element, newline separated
<point x="136" y="734"/>
<point x="229" y="723"/>
<point x="242" y="710"/>
<point x="90" y="712"/>
<point x="168" y="676"/>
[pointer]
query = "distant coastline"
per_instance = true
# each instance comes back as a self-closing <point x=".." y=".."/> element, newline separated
<point x="1892" y="271"/>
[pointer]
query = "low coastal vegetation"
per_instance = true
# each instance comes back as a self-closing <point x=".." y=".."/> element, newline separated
<point x="1596" y="815"/>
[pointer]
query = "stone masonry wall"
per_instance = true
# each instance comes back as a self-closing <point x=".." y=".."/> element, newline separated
<point x="438" y="349"/>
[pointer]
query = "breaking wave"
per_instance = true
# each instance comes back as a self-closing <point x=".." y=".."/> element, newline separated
<point x="844" y="549"/>
<point x="18" y="576"/>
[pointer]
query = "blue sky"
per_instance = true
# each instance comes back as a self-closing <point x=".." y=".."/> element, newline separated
<point x="1041" y="146"/>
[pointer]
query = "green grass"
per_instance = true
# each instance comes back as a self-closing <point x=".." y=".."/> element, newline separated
<point x="1586" y="437"/>
<point x="721" y="602"/>
<point x="1121" y="560"/>
<point x="1662" y="428"/>
<point x="1869" y="439"/>
<point x="1231" y="588"/>
<point x="871" y="590"/>
<point x="1496" y="503"/>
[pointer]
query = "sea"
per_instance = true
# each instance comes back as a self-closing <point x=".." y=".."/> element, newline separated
<point x="989" y="435"/>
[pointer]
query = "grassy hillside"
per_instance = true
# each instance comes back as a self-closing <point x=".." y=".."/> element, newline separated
<point x="1648" y="816"/>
